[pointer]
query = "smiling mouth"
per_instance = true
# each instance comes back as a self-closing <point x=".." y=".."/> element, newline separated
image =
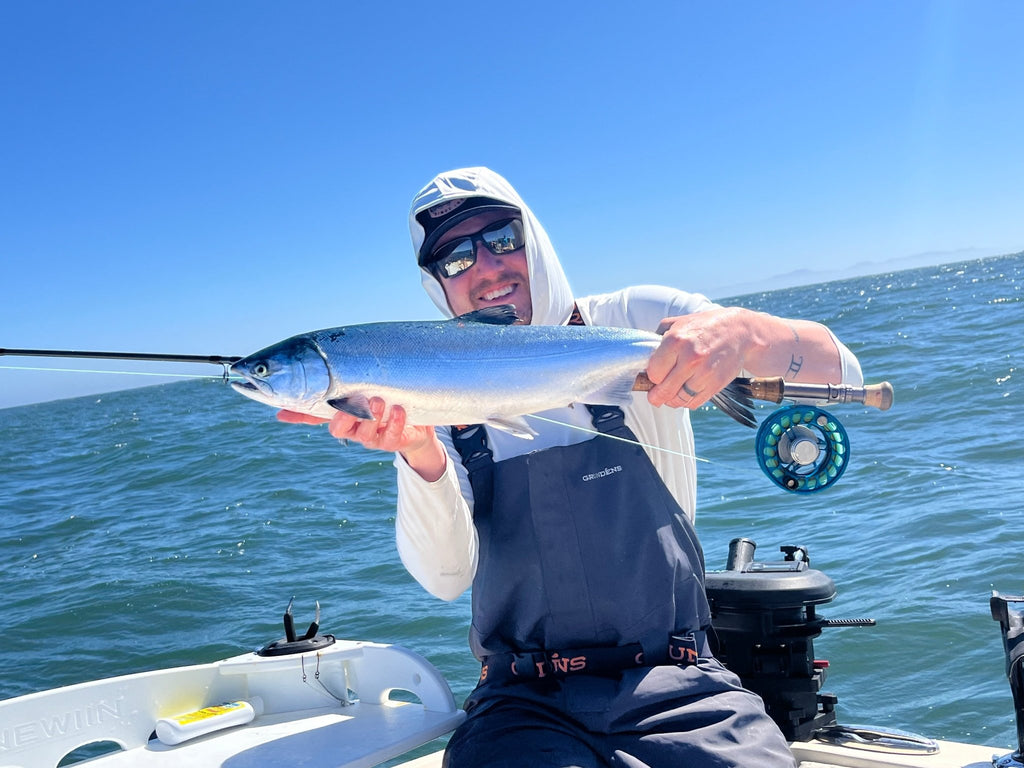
<point x="499" y="293"/>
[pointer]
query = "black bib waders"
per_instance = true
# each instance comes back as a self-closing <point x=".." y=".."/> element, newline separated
<point x="589" y="616"/>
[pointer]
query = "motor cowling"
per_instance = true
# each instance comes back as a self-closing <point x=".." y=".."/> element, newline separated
<point x="765" y="619"/>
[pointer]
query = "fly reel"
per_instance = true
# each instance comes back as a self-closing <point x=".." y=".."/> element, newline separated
<point x="802" y="448"/>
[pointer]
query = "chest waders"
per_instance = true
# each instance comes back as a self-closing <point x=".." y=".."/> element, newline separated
<point x="581" y="546"/>
<point x="589" y="616"/>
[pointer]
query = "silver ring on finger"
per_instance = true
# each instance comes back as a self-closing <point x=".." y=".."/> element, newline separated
<point x="689" y="391"/>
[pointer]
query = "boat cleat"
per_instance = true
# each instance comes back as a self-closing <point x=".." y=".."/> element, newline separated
<point x="292" y="643"/>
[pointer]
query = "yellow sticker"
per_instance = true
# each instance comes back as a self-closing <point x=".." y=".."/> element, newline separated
<point x="208" y="712"/>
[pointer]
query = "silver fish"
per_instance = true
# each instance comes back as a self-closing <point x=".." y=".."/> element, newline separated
<point x="476" y="368"/>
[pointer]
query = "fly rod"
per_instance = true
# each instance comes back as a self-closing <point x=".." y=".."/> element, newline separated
<point x="161" y="358"/>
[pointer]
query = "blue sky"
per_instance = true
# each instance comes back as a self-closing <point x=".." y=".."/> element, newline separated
<point x="210" y="177"/>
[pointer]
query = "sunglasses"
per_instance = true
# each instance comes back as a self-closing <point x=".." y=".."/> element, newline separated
<point x="454" y="258"/>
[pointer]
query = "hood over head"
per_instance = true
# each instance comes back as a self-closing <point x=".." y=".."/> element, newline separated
<point x="452" y="197"/>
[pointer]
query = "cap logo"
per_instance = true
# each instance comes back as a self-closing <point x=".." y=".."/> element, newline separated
<point x="443" y="209"/>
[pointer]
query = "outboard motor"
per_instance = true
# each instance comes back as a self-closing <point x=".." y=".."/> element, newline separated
<point x="764" y="616"/>
<point x="1008" y="610"/>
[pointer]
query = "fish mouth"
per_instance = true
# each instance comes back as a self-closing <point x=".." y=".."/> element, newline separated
<point x="257" y="390"/>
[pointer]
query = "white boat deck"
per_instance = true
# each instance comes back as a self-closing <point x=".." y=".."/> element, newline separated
<point x="323" y="709"/>
<point x="815" y="754"/>
<point x="330" y="708"/>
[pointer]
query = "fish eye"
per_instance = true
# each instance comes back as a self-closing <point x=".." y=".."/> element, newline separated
<point x="260" y="369"/>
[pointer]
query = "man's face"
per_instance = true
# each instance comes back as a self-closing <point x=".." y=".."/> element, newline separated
<point x="494" y="279"/>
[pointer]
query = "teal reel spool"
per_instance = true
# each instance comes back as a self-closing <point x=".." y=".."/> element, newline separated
<point x="802" y="448"/>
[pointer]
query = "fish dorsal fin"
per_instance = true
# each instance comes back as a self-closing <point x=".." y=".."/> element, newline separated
<point x="503" y="314"/>
<point x="356" y="405"/>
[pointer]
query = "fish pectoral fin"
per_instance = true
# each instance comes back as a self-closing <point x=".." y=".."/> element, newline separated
<point x="618" y="392"/>
<point x="503" y="314"/>
<point x="514" y="425"/>
<point x="356" y="405"/>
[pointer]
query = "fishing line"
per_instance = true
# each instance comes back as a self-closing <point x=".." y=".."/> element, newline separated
<point x="119" y="373"/>
<point x="616" y="437"/>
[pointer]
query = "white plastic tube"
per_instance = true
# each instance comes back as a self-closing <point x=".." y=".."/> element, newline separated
<point x="174" y="730"/>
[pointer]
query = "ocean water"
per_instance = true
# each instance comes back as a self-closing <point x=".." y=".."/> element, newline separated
<point x="171" y="524"/>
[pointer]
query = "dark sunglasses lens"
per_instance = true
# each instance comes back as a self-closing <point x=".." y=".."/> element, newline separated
<point x="452" y="259"/>
<point x="507" y="237"/>
<point x="455" y="258"/>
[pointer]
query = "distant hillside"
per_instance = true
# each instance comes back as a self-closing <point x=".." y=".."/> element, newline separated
<point x="811" y="276"/>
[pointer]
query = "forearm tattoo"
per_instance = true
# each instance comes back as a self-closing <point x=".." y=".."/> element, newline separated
<point x="795" y="363"/>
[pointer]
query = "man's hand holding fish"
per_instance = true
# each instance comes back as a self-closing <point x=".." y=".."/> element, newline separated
<point x="386" y="431"/>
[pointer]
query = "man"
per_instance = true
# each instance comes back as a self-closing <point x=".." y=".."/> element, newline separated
<point x="589" y="613"/>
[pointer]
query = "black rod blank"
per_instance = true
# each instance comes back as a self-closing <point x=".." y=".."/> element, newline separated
<point x="216" y="359"/>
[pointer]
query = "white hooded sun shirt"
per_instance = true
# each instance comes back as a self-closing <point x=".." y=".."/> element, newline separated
<point x="435" y="534"/>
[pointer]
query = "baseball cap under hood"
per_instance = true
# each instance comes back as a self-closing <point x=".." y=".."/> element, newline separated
<point x="439" y="218"/>
<point x="549" y="288"/>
